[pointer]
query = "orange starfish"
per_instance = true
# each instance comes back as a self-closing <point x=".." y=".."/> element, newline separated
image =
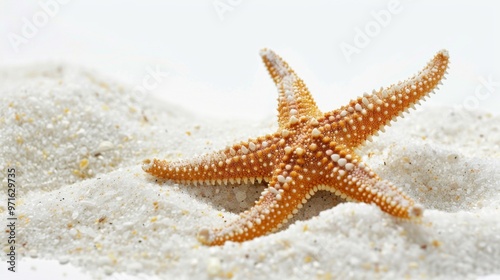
<point x="311" y="151"/>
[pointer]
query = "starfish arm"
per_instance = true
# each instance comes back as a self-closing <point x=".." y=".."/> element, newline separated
<point x="277" y="203"/>
<point x="294" y="101"/>
<point x="354" y="181"/>
<point x="243" y="162"/>
<point x="367" y="115"/>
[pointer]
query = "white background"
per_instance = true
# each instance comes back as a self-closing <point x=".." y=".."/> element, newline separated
<point x="210" y="48"/>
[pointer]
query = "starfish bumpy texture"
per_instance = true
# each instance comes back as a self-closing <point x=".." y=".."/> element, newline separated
<point x="311" y="151"/>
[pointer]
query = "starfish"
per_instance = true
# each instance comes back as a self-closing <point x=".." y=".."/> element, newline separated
<point x="310" y="151"/>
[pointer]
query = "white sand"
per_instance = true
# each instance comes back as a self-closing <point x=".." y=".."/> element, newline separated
<point x="77" y="140"/>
